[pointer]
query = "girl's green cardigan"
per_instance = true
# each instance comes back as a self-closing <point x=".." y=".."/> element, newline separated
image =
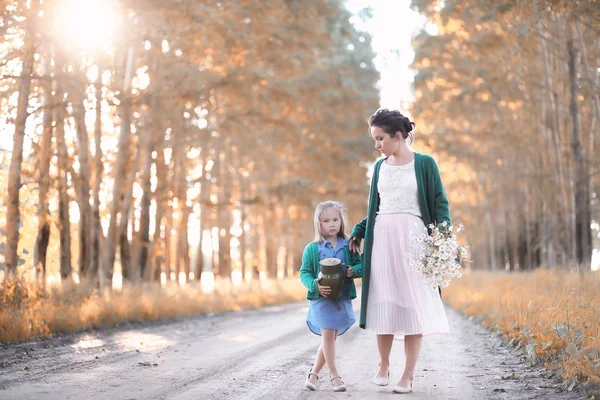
<point x="432" y="202"/>
<point x="310" y="269"/>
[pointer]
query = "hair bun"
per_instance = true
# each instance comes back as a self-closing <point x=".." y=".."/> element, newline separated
<point x="408" y="124"/>
<point x="392" y="122"/>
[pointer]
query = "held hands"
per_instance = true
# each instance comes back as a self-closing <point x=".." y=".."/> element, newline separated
<point x="323" y="290"/>
<point x="354" y="246"/>
<point x="349" y="271"/>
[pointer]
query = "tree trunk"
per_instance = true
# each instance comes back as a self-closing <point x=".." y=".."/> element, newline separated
<point x="97" y="232"/>
<point x="183" y="243"/>
<point x="169" y="244"/>
<point x="224" y="181"/>
<point x="85" y="210"/>
<point x="13" y="216"/>
<point x="204" y="218"/>
<point x="291" y="250"/>
<point x="158" y="244"/>
<point x="243" y="219"/>
<point x="492" y="240"/>
<point x="582" y="203"/>
<point x="183" y="250"/>
<point x="552" y="123"/>
<point x="147" y="148"/>
<point x="199" y="262"/>
<point x="64" y="220"/>
<point x="124" y="244"/>
<point x="120" y="175"/>
<point x="271" y="244"/>
<point x="43" y="236"/>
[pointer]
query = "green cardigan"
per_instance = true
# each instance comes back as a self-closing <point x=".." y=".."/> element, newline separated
<point x="433" y="204"/>
<point x="310" y="269"/>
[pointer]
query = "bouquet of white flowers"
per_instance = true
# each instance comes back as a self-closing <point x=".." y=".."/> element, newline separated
<point x="441" y="256"/>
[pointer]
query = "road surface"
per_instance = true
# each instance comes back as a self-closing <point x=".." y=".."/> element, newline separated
<point x="259" y="354"/>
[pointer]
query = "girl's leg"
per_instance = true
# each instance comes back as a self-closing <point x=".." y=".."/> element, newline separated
<point x="318" y="365"/>
<point x="328" y="345"/>
<point x="412" y="347"/>
<point x="384" y="344"/>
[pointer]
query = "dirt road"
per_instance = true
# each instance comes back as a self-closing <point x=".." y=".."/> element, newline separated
<point x="257" y="354"/>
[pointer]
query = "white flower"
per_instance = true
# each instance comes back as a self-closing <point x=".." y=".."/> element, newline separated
<point x="438" y="260"/>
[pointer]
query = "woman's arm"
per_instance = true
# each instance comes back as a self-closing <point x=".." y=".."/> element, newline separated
<point x="357" y="234"/>
<point x="359" y="230"/>
<point x="441" y="212"/>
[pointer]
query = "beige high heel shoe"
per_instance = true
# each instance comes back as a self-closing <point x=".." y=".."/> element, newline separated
<point x="339" y="388"/>
<point x="308" y="383"/>
<point x="402" y="389"/>
<point x="379" y="381"/>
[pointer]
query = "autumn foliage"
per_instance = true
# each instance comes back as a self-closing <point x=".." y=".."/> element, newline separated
<point x="554" y="317"/>
<point x="176" y="138"/>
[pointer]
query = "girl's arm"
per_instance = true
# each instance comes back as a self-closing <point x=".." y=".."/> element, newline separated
<point x="307" y="274"/>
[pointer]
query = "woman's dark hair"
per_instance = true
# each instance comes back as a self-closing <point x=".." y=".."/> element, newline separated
<point x="391" y="122"/>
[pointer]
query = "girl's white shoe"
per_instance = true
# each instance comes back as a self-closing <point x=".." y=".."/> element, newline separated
<point x="310" y="384"/>
<point x="339" y="388"/>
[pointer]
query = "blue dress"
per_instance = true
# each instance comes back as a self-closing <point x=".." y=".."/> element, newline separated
<point x="324" y="313"/>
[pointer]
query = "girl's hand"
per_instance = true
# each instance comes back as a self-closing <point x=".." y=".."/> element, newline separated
<point x="350" y="272"/>
<point x="323" y="290"/>
<point x="354" y="246"/>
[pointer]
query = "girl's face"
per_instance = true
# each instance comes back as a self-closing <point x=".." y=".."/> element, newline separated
<point x="386" y="144"/>
<point x="331" y="222"/>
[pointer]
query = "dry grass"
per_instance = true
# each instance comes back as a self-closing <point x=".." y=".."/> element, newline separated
<point x="29" y="311"/>
<point x="553" y="316"/>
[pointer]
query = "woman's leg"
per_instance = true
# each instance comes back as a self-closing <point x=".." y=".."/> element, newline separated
<point x="384" y="344"/>
<point x="328" y="345"/>
<point x="412" y="347"/>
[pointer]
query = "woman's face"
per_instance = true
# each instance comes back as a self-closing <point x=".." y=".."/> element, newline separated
<point x="386" y="144"/>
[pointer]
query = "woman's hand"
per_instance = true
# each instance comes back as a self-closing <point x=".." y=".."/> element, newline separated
<point x="350" y="272"/>
<point x="323" y="290"/>
<point x="354" y="246"/>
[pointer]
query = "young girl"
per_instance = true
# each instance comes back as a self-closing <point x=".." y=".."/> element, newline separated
<point x="329" y="318"/>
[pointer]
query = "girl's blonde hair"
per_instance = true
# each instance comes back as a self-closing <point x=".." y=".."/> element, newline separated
<point x="321" y="207"/>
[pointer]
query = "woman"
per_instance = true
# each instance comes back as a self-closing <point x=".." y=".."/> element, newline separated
<point x="406" y="196"/>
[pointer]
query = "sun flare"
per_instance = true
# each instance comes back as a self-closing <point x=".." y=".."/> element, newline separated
<point x="86" y="24"/>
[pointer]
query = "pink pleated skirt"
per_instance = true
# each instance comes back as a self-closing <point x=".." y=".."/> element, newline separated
<point x="400" y="301"/>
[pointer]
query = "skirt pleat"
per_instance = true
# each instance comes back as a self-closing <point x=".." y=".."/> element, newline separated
<point x="400" y="301"/>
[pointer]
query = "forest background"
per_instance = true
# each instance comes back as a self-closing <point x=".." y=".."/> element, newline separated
<point x="175" y="149"/>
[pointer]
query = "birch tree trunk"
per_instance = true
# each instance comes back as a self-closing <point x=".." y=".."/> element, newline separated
<point x="97" y="232"/>
<point x="224" y="215"/>
<point x="108" y="256"/>
<point x="243" y="218"/>
<point x="204" y="210"/>
<point x="64" y="220"/>
<point x="158" y="245"/>
<point x="13" y="216"/>
<point x="85" y="210"/>
<point x="126" y="215"/>
<point x="43" y="236"/>
<point x="146" y="149"/>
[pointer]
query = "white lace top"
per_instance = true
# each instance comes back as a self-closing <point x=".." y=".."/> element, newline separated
<point x="398" y="192"/>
